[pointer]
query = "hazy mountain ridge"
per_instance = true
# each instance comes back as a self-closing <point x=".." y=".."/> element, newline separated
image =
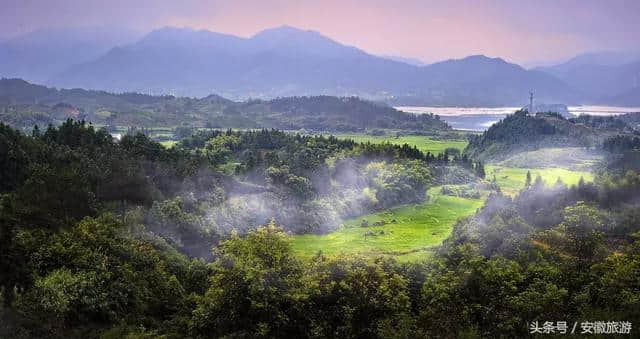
<point x="406" y="60"/>
<point x="277" y="62"/>
<point x="23" y="105"/>
<point x="484" y="81"/>
<point x="286" y="61"/>
<point x="39" y="55"/>
<point x="608" y="77"/>
<point x="628" y="98"/>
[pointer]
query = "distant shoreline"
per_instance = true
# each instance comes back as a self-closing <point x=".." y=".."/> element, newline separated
<point x="480" y="118"/>
<point x="464" y="111"/>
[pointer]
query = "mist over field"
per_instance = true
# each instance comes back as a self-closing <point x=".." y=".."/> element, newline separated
<point x="334" y="169"/>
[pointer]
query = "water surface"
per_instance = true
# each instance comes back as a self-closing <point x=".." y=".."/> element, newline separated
<point x="481" y="118"/>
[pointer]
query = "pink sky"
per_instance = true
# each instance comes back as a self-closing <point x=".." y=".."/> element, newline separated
<point x="519" y="31"/>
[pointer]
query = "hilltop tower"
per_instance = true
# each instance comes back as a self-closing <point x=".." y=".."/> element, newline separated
<point x="530" y="102"/>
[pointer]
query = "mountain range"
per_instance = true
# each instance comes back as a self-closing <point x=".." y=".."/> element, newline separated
<point x="42" y="54"/>
<point x="607" y="77"/>
<point x="287" y="61"/>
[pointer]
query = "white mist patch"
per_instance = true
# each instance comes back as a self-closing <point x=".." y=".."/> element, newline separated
<point x="602" y="110"/>
<point x="243" y="212"/>
<point x="353" y="189"/>
<point x="488" y="124"/>
<point x="572" y="158"/>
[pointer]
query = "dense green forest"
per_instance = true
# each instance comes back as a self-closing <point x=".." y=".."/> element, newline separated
<point x="302" y="180"/>
<point x="129" y="239"/>
<point x="140" y="203"/>
<point x="267" y="181"/>
<point x="24" y="105"/>
<point x="522" y="131"/>
<point x="622" y="154"/>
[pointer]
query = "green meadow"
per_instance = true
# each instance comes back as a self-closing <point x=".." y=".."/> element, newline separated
<point x="573" y="158"/>
<point x="168" y="143"/>
<point x="420" y="227"/>
<point x="424" y="143"/>
<point x="512" y="179"/>
<point x="417" y="228"/>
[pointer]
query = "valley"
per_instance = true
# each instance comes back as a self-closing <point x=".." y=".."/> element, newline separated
<point x="410" y="233"/>
<point x="319" y="169"/>
<point x="332" y="203"/>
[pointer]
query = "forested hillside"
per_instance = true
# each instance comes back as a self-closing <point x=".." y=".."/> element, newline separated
<point x="550" y="253"/>
<point x="521" y="131"/>
<point x="114" y="239"/>
<point x="99" y="235"/>
<point x="24" y="105"/>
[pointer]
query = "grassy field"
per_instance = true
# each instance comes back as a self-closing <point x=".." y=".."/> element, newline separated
<point x="168" y="143"/>
<point x="512" y="179"/>
<point x="573" y="158"/>
<point x="423" y="143"/>
<point x="418" y="227"/>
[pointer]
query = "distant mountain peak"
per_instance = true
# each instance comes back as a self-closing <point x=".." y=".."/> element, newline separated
<point x="477" y="57"/>
<point x="185" y="37"/>
<point x="479" y="61"/>
<point x="286" y="60"/>
<point x="169" y="29"/>
<point x="284" y="30"/>
<point x="40" y="54"/>
<point x="483" y="58"/>
<point x="603" y="58"/>
<point x="299" y="41"/>
<point x="290" y="34"/>
<point x="603" y="76"/>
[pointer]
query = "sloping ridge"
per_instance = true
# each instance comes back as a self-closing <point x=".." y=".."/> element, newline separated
<point x="286" y="61"/>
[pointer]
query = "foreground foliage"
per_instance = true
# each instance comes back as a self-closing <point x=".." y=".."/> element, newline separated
<point x="105" y="239"/>
<point x="518" y="260"/>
